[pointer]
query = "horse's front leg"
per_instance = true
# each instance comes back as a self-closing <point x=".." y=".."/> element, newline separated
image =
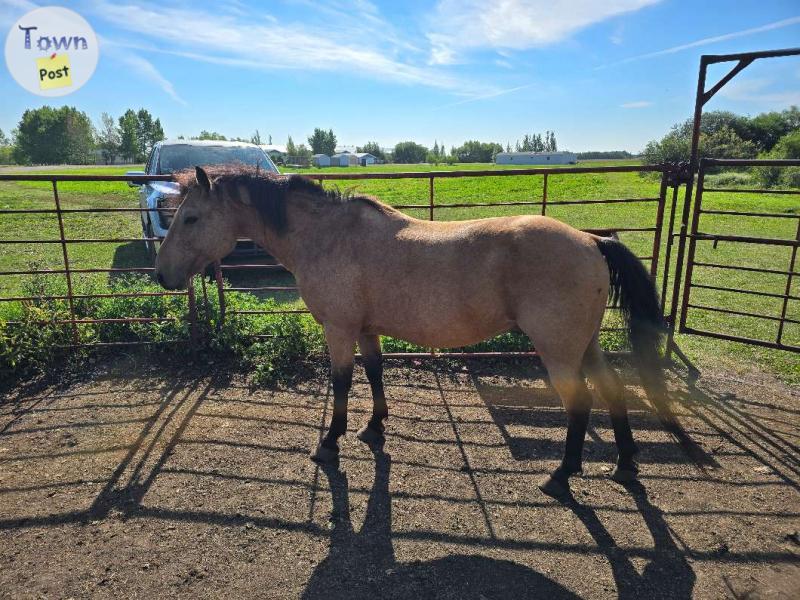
<point x="372" y="432"/>
<point x="341" y="348"/>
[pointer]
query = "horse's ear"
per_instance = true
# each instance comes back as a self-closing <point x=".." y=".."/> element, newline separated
<point x="202" y="178"/>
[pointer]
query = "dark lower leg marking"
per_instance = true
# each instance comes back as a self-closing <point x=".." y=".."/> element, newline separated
<point x="623" y="434"/>
<point x="373" y="365"/>
<point x="573" y="449"/>
<point x="557" y="484"/>
<point x="342" y="379"/>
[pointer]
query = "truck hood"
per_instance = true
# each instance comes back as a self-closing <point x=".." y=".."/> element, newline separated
<point x="166" y="188"/>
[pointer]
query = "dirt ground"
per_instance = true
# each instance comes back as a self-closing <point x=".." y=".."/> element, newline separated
<point x="140" y="482"/>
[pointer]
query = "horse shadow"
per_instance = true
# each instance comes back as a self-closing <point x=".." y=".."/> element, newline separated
<point x="363" y="565"/>
<point x="667" y="575"/>
<point x="540" y="407"/>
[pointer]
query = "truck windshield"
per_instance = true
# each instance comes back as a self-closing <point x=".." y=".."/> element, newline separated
<point x="177" y="157"/>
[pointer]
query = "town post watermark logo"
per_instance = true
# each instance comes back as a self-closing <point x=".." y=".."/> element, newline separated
<point x="51" y="51"/>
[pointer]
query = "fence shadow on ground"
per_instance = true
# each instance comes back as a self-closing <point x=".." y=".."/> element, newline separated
<point x="168" y="419"/>
<point x="743" y="425"/>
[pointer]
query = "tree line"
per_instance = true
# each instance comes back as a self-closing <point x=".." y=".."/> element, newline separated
<point x="410" y="152"/>
<point x="724" y="134"/>
<point x="67" y="136"/>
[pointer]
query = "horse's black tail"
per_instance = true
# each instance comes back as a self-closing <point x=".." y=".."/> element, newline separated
<point x="633" y="290"/>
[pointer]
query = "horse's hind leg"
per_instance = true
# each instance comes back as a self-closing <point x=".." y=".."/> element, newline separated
<point x="568" y="382"/>
<point x="341" y="346"/>
<point x="372" y="432"/>
<point x="611" y="391"/>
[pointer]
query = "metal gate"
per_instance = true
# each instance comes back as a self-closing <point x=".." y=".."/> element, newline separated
<point x="689" y="311"/>
<point x="752" y="281"/>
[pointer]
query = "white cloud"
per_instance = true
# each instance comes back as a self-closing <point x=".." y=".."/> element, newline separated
<point x="710" y="40"/>
<point x="616" y="36"/>
<point x="494" y="94"/>
<point x="11" y="10"/>
<point x="355" y="40"/>
<point x="458" y="26"/>
<point x="757" y="90"/>
<point x="637" y="104"/>
<point x="140" y="65"/>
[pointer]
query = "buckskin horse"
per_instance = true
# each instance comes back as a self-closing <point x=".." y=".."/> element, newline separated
<point x="365" y="269"/>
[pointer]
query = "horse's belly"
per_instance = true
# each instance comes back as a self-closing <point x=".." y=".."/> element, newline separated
<point x="439" y="331"/>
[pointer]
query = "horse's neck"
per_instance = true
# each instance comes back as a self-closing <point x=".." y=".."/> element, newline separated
<point x="306" y="229"/>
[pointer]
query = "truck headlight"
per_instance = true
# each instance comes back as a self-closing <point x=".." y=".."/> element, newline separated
<point x="166" y="210"/>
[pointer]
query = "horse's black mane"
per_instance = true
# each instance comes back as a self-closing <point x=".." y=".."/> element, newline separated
<point x="268" y="192"/>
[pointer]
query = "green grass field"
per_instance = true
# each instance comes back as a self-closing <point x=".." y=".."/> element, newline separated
<point x="16" y="195"/>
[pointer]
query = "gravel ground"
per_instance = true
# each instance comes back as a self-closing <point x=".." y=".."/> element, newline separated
<point x="145" y="483"/>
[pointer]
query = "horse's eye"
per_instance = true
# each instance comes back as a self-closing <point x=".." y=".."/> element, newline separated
<point x="189" y="220"/>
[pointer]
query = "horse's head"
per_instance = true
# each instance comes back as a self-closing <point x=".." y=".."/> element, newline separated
<point x="203" y="230"/>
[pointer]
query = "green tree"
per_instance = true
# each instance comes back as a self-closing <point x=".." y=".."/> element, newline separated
<point x="720" y="141"/>
<point x="54" y="136"/>
<point x="144" y="127"/>
<point x="673" y="147"/>
<point x="138" y="134"/>
<point x="129" y="135"/>
<point x="475" y="151"/>
<point x="291" y="149"/>
<point x="322" y="142"/>
<point x="372" y="148"/>
<point x="108" y="138"/>
<point x="149" y="131"/>
<point x="767" y="129"/>
<point x="604" y="154"/>
<point x="210" y="135"/>
<point x="550" y="144"/>
<point x="303" y="151"/>
<point x="757" y="134"/>
<point x="787" y="147"/>
<point x="726" y="143"/>
<point x="409" y="153"/>
<point x="6" y="149"/>
<point x="256" y="138"/>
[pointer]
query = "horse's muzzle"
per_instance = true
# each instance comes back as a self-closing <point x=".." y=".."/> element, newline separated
<point x="167" y="286"/>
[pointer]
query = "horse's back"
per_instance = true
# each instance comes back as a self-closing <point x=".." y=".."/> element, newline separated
<point x="453" y="283"/>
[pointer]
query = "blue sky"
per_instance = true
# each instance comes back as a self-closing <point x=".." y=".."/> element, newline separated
<point x="603" y="74"/>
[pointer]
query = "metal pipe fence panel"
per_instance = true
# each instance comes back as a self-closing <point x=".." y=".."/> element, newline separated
<point x="727" y="268"/>
<point x="71" y="266"/>
<point x="261" y="276"/>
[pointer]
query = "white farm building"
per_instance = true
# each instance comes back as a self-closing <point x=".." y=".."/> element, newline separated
<point x="536" y="158"/>
<point x="321" y="160"/>
<point x="365" y="158"/>
<point x="344" y="159"/>
<point x="276" y="152"/>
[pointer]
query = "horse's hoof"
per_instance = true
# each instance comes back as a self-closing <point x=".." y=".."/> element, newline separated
<point x="325" y="456"/>
<point x="371" y="437"/>
<point x="555" y="486"/>
<point x="621" y="475"/>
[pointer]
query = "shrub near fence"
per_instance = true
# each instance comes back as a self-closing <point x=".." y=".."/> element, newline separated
<point x="32" y="339"/>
